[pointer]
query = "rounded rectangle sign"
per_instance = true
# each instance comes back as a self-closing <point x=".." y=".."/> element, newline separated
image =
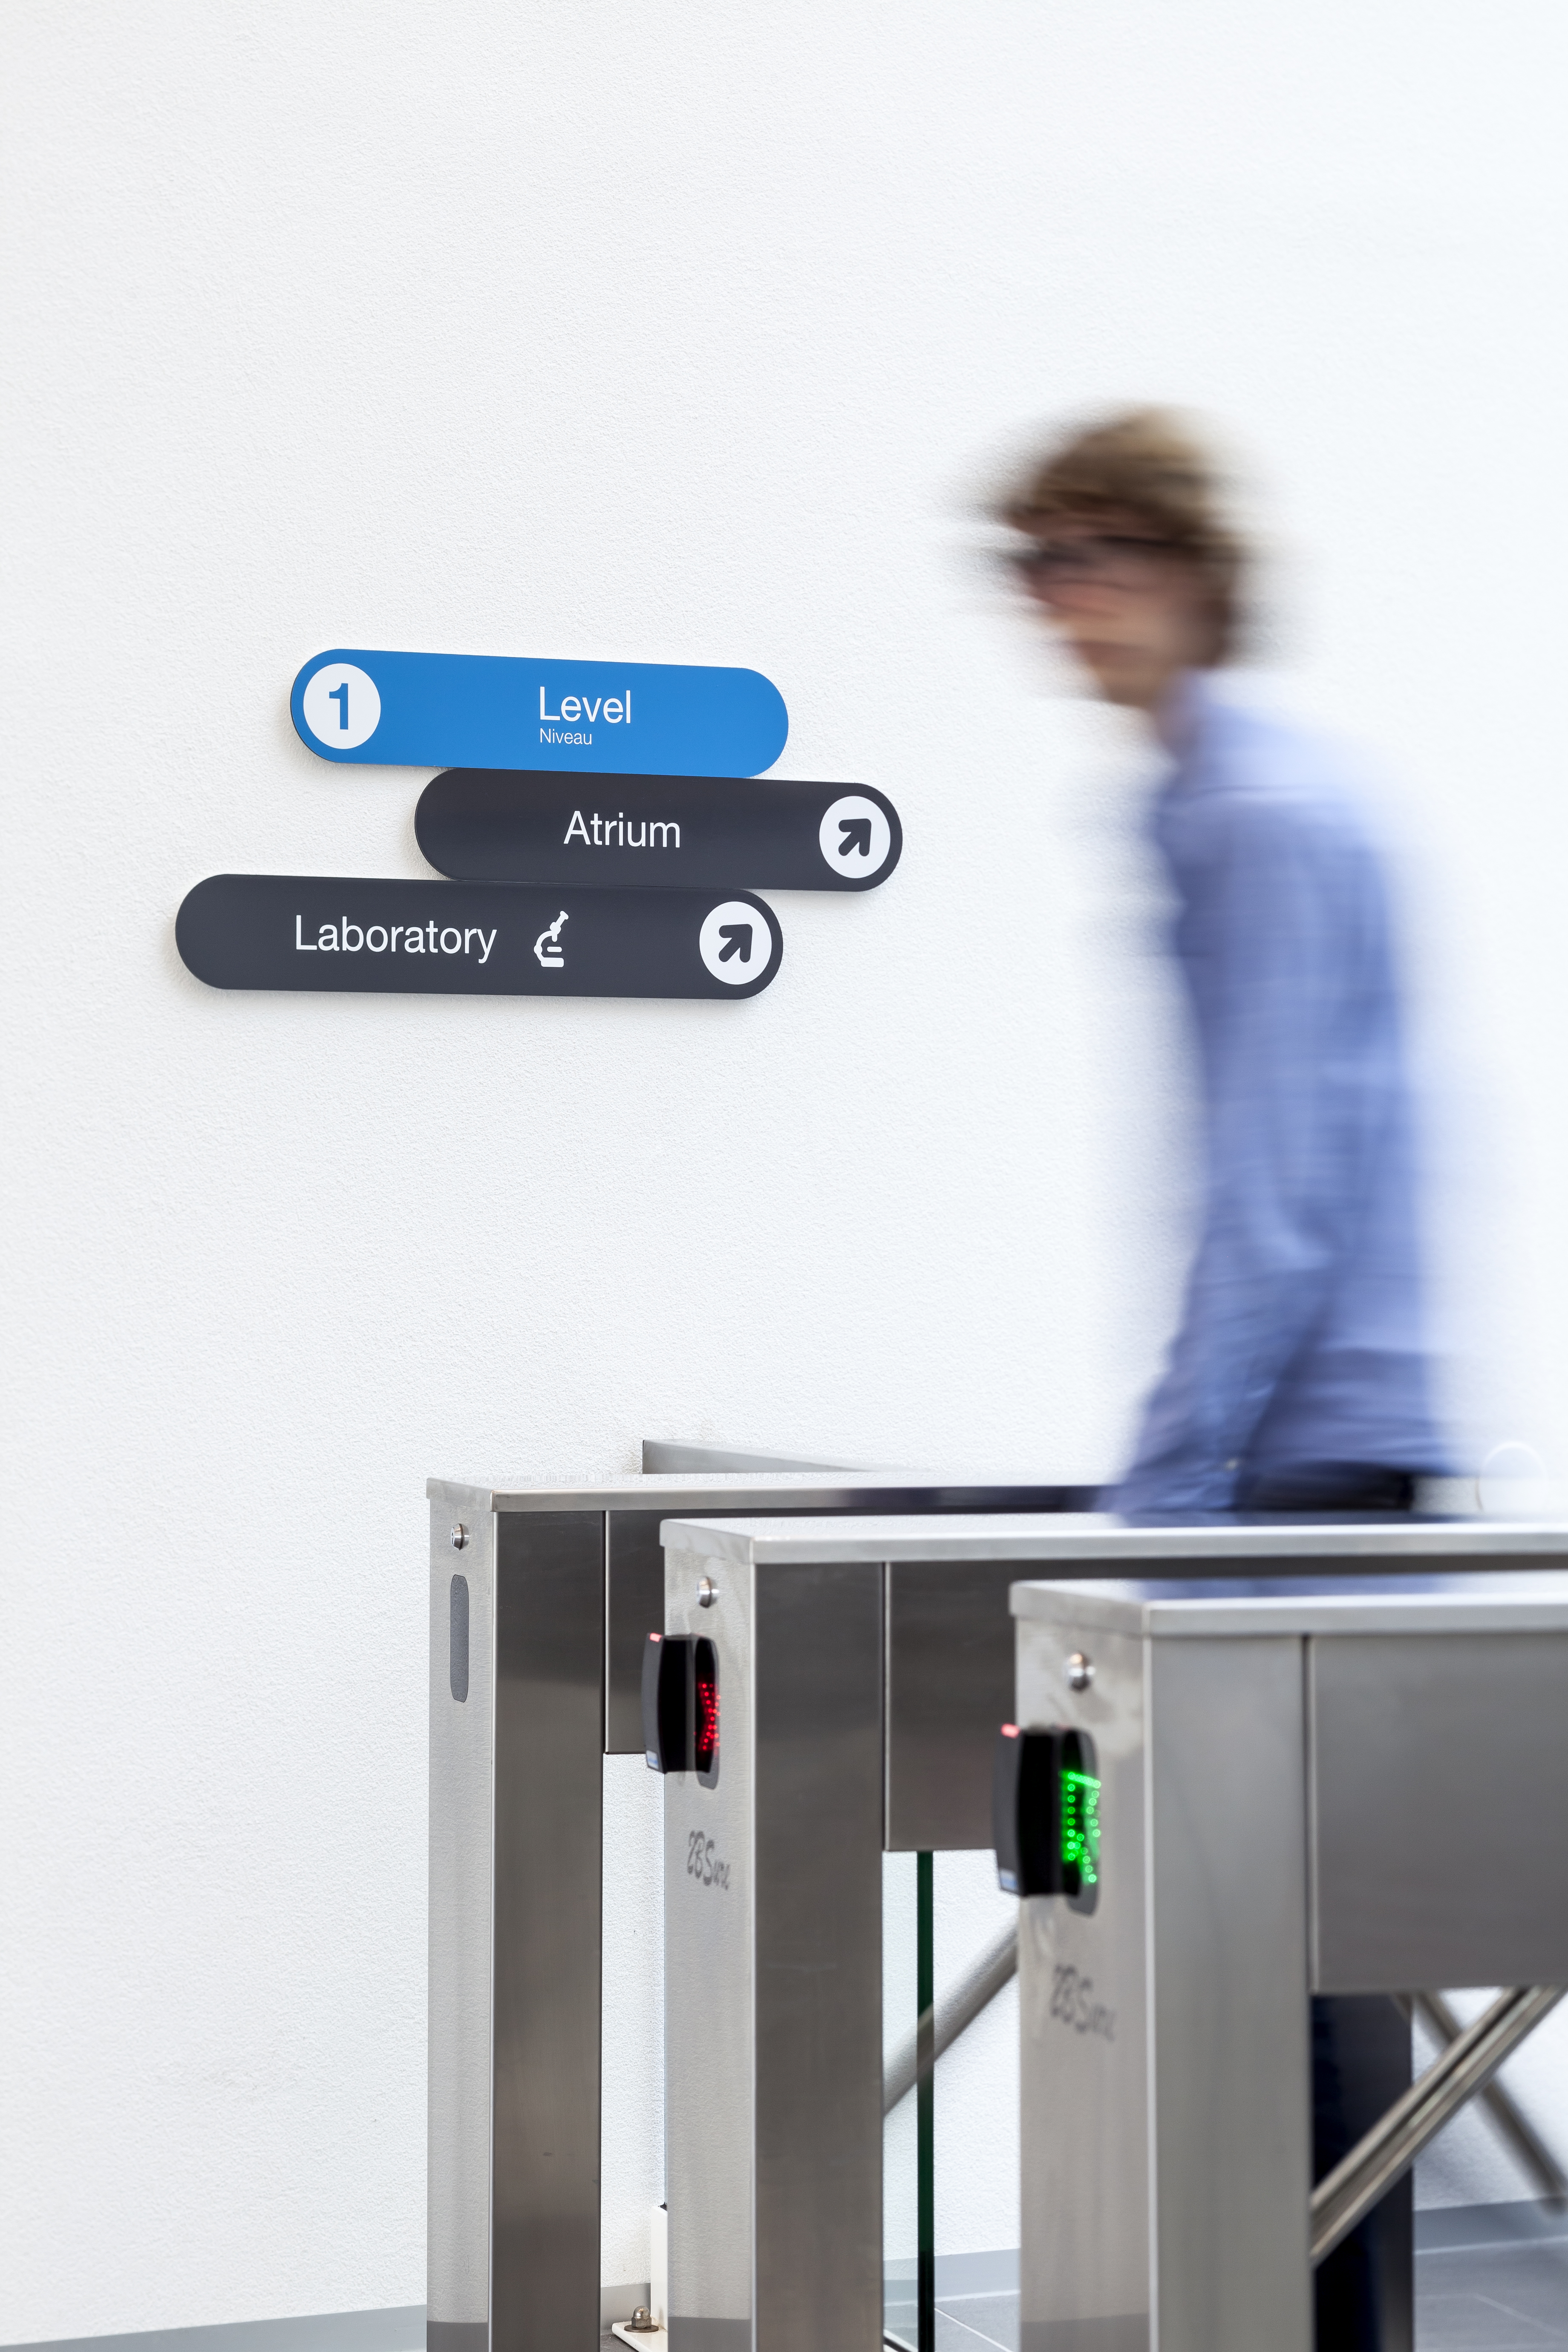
<point x="503" y="710"/>
<point x="474" y="938"/>
<point x="494" y="824"/>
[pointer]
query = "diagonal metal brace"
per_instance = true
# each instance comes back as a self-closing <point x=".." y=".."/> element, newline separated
<point x="1516" y="2128"/>
<point x="1397" y="2138"/>
<point x="956" y="2012"/>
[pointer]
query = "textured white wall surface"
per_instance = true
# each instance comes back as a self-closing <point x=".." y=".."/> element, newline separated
<point x="692" y="333"/>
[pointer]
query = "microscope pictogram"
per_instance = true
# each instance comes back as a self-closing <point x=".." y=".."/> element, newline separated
<point x="547" y="946"/>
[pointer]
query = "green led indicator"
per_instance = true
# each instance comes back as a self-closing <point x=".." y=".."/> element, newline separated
<point x="1081" y="1829"/>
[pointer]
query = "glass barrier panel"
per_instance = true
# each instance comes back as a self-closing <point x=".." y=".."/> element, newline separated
<point x="970" y="2213"/>
<point x="901" y="2217"/>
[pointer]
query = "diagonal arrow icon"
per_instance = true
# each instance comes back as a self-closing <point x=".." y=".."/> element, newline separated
<point x="856" y="833"/>
<point x="737" y="939"/>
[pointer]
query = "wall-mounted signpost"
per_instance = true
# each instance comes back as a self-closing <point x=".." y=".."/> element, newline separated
<point x="487" y="825"/>
<point x="466" y="939"/>
<point x="500" y="711"/>
<point x="603" y="838"/>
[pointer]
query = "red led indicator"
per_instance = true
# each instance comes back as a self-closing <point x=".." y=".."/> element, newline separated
<point x="705" y="1687"/>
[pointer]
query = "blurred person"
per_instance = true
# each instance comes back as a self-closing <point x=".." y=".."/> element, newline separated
<point x="1298" y="1378"/>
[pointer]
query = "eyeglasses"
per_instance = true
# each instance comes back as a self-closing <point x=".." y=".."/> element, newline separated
<point x="1101" y="560"/>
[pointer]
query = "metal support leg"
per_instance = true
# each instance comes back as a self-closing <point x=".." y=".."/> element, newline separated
<point x="1363" y="2296"/>
<point x="774" y="1968"/>
<point x="545" y="2254"/>
<point x="516" y="1792"/>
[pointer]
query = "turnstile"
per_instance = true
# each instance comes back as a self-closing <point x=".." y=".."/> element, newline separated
<point x="860" y="1672"/>
<point x="1285" y="1791"/>
<point x="540" y="1600"/>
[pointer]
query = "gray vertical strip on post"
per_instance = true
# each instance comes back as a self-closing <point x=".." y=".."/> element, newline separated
<point x="1227" y="1932"/>
<point x="950" y="1685"/>
<point x="818" y="1812"/>
<point x="710" y="2035"/>
<point x="1083" y="2007"/>
<point x="550" y="1650"/>
<point x="634" y="1608"/>
<point x="462" y="1759"/>
<point x="459" y="1662"/>
<point x="1421" y="1754"/>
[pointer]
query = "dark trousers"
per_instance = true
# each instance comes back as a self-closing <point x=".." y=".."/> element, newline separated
<point x="1364" y="2295"/>
<point x="1356" y="1489"/>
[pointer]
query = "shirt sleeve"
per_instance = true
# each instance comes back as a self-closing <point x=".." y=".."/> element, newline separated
<point x="1286" y="954"/>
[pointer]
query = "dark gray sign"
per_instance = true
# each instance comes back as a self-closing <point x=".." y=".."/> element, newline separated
<point x="463" y="939"/>
<point x="507" y="825"/>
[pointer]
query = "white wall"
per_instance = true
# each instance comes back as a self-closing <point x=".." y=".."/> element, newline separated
<point x="675" y="334"/>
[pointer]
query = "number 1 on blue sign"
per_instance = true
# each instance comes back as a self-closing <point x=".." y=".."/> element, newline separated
<point x="340" y="694"/>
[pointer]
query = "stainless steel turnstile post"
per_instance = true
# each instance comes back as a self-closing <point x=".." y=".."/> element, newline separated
<point x="1335" y="1791"/>
<point x="863" y="1670"/>
<point x="541" y="1600"/>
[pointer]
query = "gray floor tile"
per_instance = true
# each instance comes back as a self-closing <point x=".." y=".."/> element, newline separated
<point x="1492" y="2299"/>
<point x="977" y="2323"/>
<point x="1504" y="2298"/>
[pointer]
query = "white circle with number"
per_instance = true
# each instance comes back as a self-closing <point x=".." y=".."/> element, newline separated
<point x="735" y="942"/>
<point x="856" y="837"/>
<point x="342" y="708"/>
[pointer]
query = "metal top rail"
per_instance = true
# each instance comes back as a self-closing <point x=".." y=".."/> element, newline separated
<point x="1495" y="1602"/>
<point x="1090" y="1535"/>
<point x="888" y="1490"/>
<point x="680" y="1454"/>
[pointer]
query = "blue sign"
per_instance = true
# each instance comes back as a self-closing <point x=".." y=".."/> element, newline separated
<point x="498" y="711"/>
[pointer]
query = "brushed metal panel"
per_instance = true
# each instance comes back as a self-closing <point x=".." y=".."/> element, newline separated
<point x="1227" y="1944"/>
<point x="1082" y="1983"/>
<point x="549" y="1651"/>
<point x="949" y="1686"/>
<point x="462" y="1744"/>
<point x="774" y="1956"/>
<point x="1440" y="1769"/>
<point x="710" y="1893"/>
<point x="634" y="1608"/>
<point x="633" y="1604"/>
<point x="818" y="1811"/>
<point x="635" y="1559"/>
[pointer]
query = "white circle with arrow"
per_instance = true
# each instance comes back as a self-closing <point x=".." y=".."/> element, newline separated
<point x="855" y="837"/>
<point x="735" y="942"/>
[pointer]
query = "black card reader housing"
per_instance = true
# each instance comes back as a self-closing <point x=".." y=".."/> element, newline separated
<point x="1044" y="1805"/>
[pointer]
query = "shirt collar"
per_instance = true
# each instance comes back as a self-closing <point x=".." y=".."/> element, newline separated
<point x="1182" y="726"/>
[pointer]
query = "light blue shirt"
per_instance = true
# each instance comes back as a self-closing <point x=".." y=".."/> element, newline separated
<point x="1302" y="1337"/>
